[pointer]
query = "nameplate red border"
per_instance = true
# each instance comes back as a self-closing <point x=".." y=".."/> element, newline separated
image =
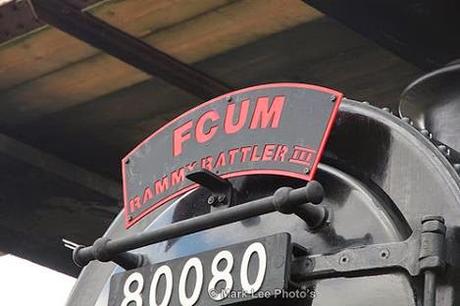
<point x="277" y="129"/>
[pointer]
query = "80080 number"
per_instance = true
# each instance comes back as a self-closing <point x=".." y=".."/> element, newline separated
<point x="134" y="285"/>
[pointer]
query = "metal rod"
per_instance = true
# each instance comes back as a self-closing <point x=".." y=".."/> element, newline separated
<point x="69" y="244"/>
<point x="429" y="294"/>
<point x="105" y="249"/>
<point x="127" y="48"/>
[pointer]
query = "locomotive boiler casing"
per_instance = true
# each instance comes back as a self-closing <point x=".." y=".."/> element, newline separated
<point x="381" y="177"/>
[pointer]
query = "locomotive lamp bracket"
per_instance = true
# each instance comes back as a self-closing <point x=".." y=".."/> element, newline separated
<point x="422" y="253"/>
<point x="222" y="191"/>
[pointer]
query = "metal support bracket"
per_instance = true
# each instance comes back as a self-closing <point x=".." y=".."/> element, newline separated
<point x="222" y="190"/>
<point x="422" y="252"/>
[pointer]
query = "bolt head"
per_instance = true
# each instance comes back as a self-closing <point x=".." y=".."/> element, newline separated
<point x="385" y="253"/>
<point x="307" y="170"/>
<point x="444" y="149"/>
<point x="426" y="133"/>
<point x="406" y="120"/>
<point x="229" y="99"/>
<point x="344" y="260"/>
<point x="333" y="99"/>
<point x="211" y="200"/>
<point x="221" y="198"/>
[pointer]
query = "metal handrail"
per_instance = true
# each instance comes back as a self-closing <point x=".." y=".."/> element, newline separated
<point x="285" y="200"/>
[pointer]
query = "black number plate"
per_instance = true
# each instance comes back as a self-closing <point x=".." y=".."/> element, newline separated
<point x="240" y="272"/>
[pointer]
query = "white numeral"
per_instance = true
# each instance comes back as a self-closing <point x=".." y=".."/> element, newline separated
<point x="133" y="296"/>
<point x="258" y="248"/>
<point x="183" y="298"/>
<point x="136" y="280"/>
<point x="223" y="275"/>
<point x="166" y="271"/>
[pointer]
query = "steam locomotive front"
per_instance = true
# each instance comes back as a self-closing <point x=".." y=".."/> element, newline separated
<point x="230" y="204"/>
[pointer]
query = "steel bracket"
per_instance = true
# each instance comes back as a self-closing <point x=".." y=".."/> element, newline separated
<point x="222" y="191"/>
<point x="422" y="252"/>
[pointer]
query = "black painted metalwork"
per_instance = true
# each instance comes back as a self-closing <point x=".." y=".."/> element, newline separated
<point x="432" y="102"/>
<point x="314" y="216"/>
<point x="423" y="252"/>
<point x="221" y="189"/>
<point x="127" y="48"/>
<point x="106" y="249"/>
<point x="380" y="175"/>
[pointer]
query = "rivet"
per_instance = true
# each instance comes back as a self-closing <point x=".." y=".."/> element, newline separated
<point x="333" y="99"/>
<point x="229" y="99"/>
<point x="366" y="103"/>
<point x="407" y="120"/>
<point x="443" y="149"/>
<point x="306" y="170"/>
<point x="385" y="253"/>
<point x="386" y="109"/>
<point x="127" y="161"/>
<point x="426" y="133"/>
<point x="343" y="260"/>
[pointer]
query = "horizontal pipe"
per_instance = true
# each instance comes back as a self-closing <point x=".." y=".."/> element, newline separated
<point x="105" y="249"/>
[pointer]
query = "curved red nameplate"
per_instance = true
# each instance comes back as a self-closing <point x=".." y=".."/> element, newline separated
<point x="276" y="129"/>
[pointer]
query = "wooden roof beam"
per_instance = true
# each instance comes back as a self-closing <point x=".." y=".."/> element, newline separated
<point x="127" y="48"/>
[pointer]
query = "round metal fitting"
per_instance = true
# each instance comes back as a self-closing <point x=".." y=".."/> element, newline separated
<point x="211" y="200"/>
<point x="344" y="259"/>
